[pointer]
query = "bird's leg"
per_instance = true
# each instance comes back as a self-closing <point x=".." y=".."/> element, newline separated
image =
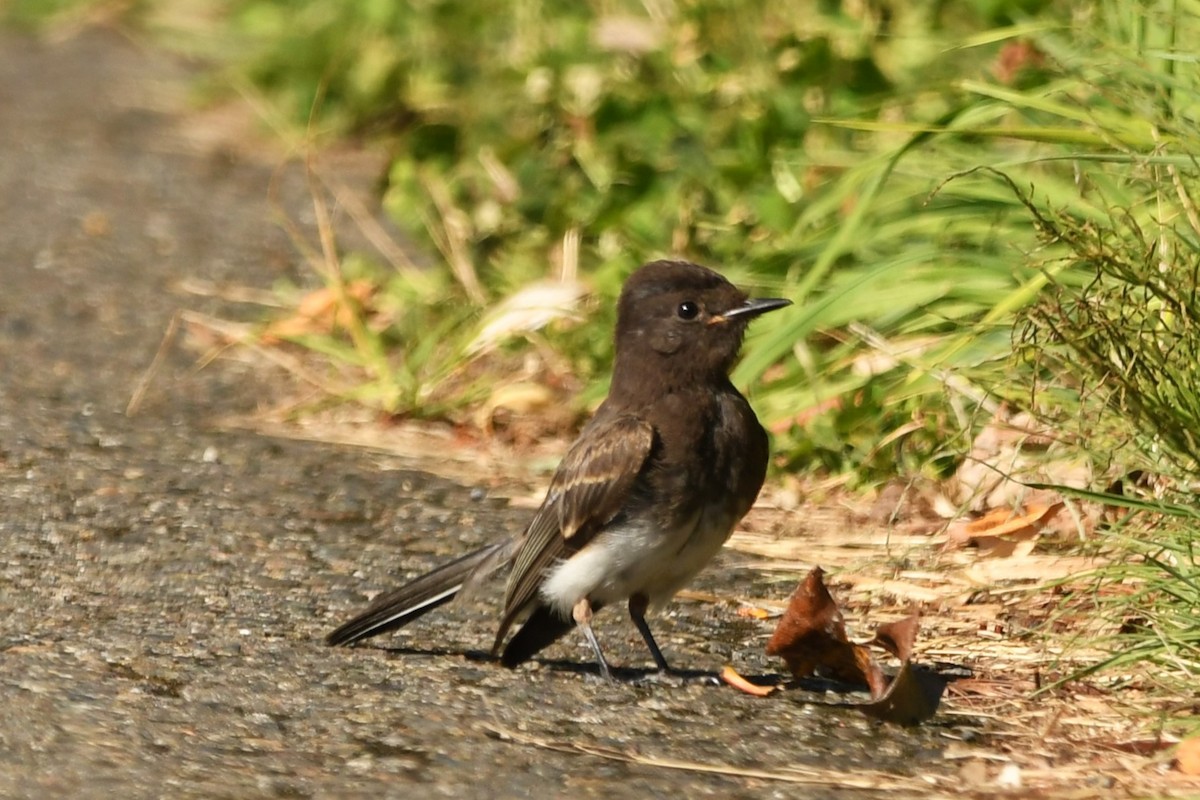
<point x="582" y="612"/>
<point x="638" y="604"/>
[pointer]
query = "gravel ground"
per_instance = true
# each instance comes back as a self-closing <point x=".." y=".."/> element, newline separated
<point x="165" y="584"/>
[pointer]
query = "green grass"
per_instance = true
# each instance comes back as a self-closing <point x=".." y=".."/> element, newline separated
<point x="824" y="151"/>
<point x="1150" y="598"/>
<point x="1115" y="337"/>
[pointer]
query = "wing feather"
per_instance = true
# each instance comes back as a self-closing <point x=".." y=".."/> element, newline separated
<point x="589" y="489"/>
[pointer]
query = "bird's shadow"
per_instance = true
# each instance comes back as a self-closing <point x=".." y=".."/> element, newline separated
<point x="418" y="652"/>
<point x="635" y="676"/>
<point x="631" y="675"/>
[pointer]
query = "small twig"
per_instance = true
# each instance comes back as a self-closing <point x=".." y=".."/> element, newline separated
<point x="143" y="384"/>
<point x="450" y="239"/>
<point x="237" y="334"/>
<point x="331" y="265"/>
<point x="232" y="294"/>
<point x="864" y="779"/>
<point x="370" y="227"/>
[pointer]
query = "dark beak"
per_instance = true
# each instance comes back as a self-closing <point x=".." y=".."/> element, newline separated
<point x="752" y="308"/>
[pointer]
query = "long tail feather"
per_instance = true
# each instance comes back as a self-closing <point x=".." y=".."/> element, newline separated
<point x="397" y="608"/>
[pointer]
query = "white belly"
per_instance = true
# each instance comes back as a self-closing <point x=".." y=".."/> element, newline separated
<point x="635" y="559"/>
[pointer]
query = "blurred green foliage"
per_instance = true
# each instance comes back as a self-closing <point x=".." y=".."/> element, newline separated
<point x="713" y="131"/>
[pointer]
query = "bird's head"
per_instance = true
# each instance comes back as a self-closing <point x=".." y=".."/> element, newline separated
<point x="684" y="313"/>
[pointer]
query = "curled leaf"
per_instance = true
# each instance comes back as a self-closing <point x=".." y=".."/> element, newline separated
<point x="811" y="639"/>
<point x="743" y="684"/>
<point x="912" y="697"/>
<point x="898" y="637"/>
<point x="1003" y="532"/>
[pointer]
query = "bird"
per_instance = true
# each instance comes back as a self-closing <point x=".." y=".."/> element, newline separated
<point x="647" y="494"/>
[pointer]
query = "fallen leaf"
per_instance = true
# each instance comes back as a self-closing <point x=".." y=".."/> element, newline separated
<point x="1002" y="532"/>
<point x="898" y="637"/>
<point x="321" y="311"/>
<point x="1011" y="451"/>
<point x="811" y="639"/>
<point x="753" y="612"/>
<point x="1002" y="521"/>
<point x="912" y="697"/>
<point x="737" y="681"/>
<point x="1187" y="756"/>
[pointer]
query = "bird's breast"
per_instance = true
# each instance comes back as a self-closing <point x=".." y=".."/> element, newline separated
<point x="706" y="469"/>
<point x="637" y="556"/>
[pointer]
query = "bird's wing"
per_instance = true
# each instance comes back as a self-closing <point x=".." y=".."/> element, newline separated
<point x="588" y="490"/>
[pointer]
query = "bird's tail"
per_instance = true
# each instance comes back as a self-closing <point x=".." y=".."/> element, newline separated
<point x="397" y="608"/>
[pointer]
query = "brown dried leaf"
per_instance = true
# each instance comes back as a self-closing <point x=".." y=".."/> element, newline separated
<point x="899" y="637"/>
<point x="1187" y="756"/>
<point x="1001" y="531"/>
<point x="732" y="677"/>
<point x="913" y="697"/>
<point x="811" y="637"/>
<point x="320" y="312"/>
<point x="1010" y="452"/>
<point x="1001" y="521"/>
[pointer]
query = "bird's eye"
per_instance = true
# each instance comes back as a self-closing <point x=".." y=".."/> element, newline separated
<point x="688" y="310"/>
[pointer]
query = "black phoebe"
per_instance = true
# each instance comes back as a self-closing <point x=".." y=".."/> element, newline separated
<point x="646" y="495"/>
